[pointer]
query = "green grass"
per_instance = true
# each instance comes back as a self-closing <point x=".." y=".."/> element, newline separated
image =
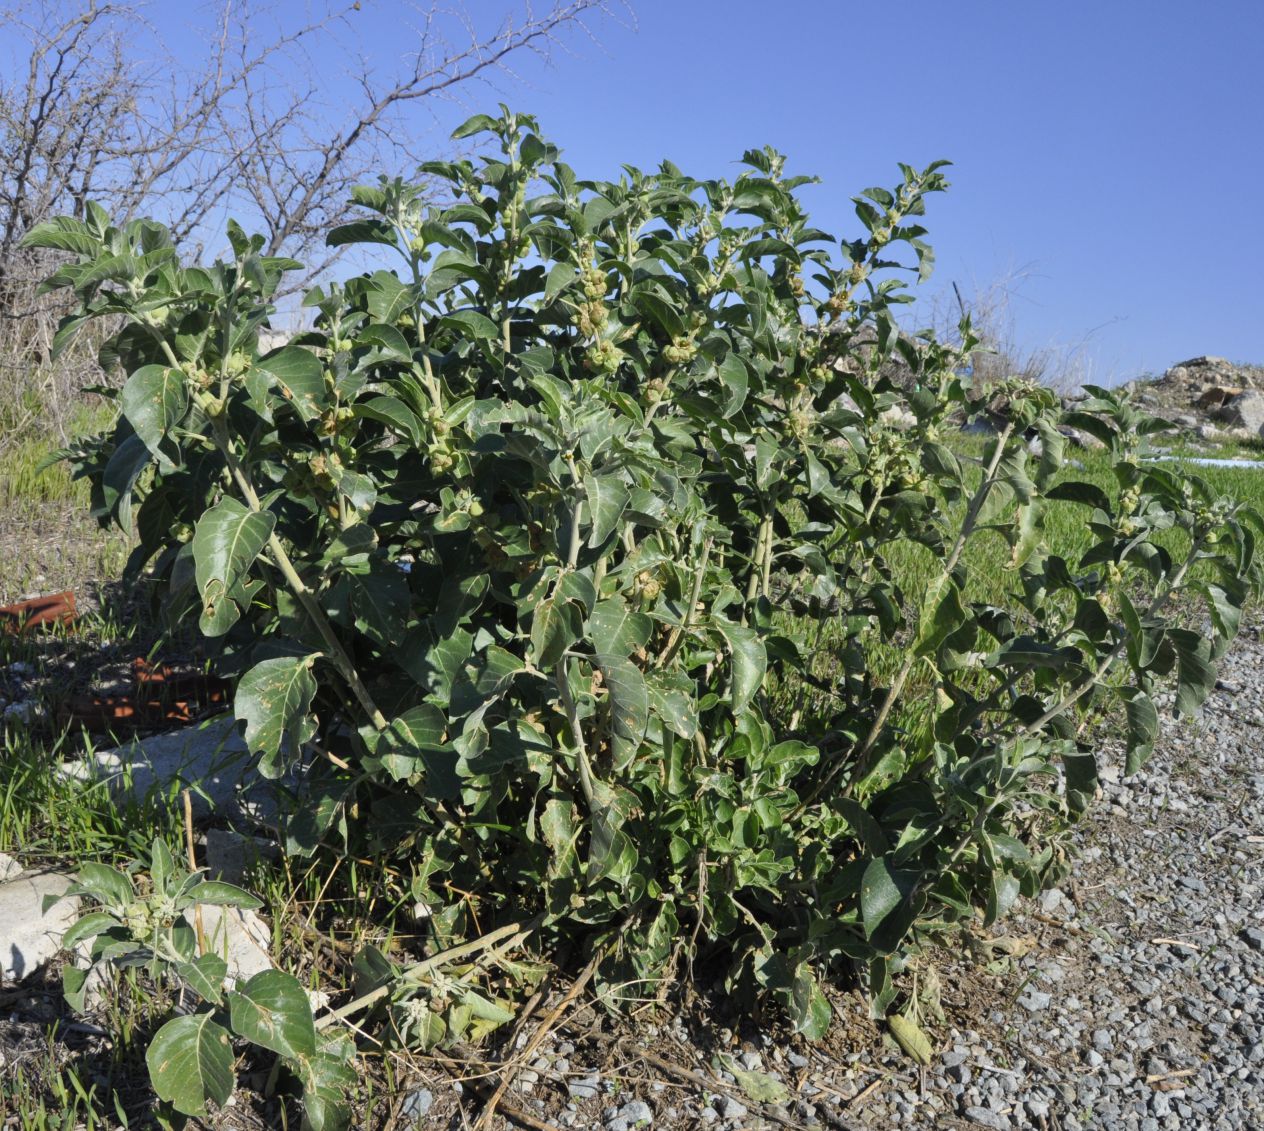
<point x="48" y="539"/>
<point x="990" y="580"/>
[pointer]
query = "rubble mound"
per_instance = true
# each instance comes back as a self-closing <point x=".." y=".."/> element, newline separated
<point x="1211" y="396"/>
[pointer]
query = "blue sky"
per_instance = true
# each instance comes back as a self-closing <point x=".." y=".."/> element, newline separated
<point x="1108" y="156"/>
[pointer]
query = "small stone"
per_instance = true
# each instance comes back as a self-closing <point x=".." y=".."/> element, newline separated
<point x="238" y="936"/>
<point x="1035" y="1000"/>
<point x="985" y="1117"/>
<point x="1254" y="937"/>
<point x="637" y="1112"/>
<point x="22" y="713"/>
<point x="10" y="869"/>
<point x="586" y="1087"/>
<point x="230" y="856"/>
<point x="1050" y="900"/>
<point x="708" y="1115"/>
<point x="729" y="1108"/>
<point x="416" y="1105"/>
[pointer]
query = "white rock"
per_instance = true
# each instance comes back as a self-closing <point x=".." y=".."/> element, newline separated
<point x="10" y="869"/>
<point x="100" y="982"/>
<point x="238" y="936"/>
<point x="230" y="855"/>
<point x="20" y="713"/>
<point x="211" y="757"/>
<point x="29" y="936"/>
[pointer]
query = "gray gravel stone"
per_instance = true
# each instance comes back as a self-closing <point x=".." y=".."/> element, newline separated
<point x="638" y="1111"/>
<point x="586" y="1087"/>
<point x="985" y="1117"/>
<point x="417" y="1105"/>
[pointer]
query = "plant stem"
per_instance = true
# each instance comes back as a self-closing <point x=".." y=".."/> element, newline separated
<point x="677" y="636"/>
<point x="338" y="654"/>
<point x="562" y="676"/>
<point x="860" y="761"/>
<point x="518" y="931"/>
<point x="1108" y="661"/>
<point x="757" y="563"/>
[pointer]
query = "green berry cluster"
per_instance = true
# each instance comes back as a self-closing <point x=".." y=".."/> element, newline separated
<point x="603" y="357"/>
<point x="590" y="318"/>
<point x="680" y="352"/>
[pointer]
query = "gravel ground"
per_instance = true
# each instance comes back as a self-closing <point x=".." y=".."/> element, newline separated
<point x="1130" y="998"/>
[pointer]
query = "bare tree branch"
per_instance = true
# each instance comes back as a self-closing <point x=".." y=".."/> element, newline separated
<point x="93" y="107"/>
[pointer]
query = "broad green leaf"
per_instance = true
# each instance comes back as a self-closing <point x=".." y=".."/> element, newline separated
<point x="673" y="702"/>
<point x="221" y="894"/>
<point x="883" y="889"/>
<point x="555" y="625"/>
<point x="162" y="869"/>
<point x="735" y="378"/>
<point x="110" y="886"/>
<point x="226" y="541"/>
<point x="942" y="614"/>
<point x="327" y="1078"/>
<point x="809" y="1007"/>
<point x="300" y="379"/>
<point x="381" y="601"/>
<point x="388" y="339"/>
<point x="471" y="324"/>
<point x="559" y="278"/>
<point x="1029" y="531"/>
<point x="121" y="474"/>
<point x="272" y="1010"/>
<point x="478" y="124"/>
<point x="273" y="700"/>
<point x="74" y="983"/>
<point x="205" y="976"/>
<point x="155" y="401"/>
<point x="392" y="412"/>
<point x="362" y="231"/>
<point x="607" y="499"/>
<point x="629" y="707"/>
<point x="911" y="1038"/>
<point x="749" y="662"/>
<point x="91" y="925"/>
<point x="62" y="233"/>
<point x="190" y="1061"/>
<point x="1143" y="727"/>
<point x="616" y="629"/>
<point x="1196" y="674"/>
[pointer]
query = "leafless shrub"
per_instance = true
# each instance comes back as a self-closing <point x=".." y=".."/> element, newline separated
<point x="1064" y="367"/>
<point x="93" y="107"/>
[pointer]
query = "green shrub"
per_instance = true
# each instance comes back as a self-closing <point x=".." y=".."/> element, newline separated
<point x="521" y="535"/>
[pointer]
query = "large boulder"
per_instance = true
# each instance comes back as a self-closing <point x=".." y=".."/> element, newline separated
<point x="1245" y="411"/>
<point x="211" y="758"/>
